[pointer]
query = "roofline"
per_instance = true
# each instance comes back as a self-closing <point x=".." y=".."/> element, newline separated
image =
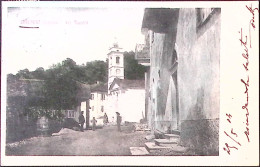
<point x="114" y="51"/>
<point x="98" y="91"/>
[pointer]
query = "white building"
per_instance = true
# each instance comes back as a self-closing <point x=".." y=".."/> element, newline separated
<point x="128" y="98"/>
<point x="98" y="101"/>
<point x="124" y="96"/>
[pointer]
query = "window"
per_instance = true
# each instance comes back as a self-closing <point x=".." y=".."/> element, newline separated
<point x="117" y="60"/>
<point x="102" y="108"/>
<point x="92" y="108"/>
<point x="70" y="114"/>
<point x="103" y="96"/>
<point x="92" y="96"/>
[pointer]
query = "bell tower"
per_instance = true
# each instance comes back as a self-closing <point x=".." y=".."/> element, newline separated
<point x="115" y="63"/>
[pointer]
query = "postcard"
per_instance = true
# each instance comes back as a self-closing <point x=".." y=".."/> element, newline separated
<point x="130" y="83"/>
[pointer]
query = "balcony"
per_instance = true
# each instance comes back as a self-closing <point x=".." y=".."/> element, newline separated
<point x="142" y="54"/>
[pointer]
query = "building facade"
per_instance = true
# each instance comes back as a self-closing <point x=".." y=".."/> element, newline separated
<point x="124" y="96"/>
<point x="183" y="79"/>
<point x="128" y="98"/>
<point x="98" y="101"/>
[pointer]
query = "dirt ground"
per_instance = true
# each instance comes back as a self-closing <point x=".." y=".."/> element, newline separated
<point x="105" y="141"/>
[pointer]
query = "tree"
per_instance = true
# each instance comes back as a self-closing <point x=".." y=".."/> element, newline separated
<point x="60" y="88"/>
<point x="61" y="85"/>
<point x="25" y="73"/>
<point x="133" y="70"/>
<point x="39" y="73"/>
<point x="96" y="71"/>
<point x="69" y="63"/>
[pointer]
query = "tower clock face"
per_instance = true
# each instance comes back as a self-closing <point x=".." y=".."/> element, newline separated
<point x="117" y="71"/>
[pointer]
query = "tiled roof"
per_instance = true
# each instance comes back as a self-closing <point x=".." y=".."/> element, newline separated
<point x="128" y="84"/>
<point x="101" y="87"/>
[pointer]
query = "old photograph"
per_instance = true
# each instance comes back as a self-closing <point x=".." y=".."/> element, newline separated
<point x="129" y="83"/>
<point x="84" y="81"/>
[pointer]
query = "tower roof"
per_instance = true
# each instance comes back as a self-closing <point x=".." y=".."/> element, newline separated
<point x="115" y="47"/>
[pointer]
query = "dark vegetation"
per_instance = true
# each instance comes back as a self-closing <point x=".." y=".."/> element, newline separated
<point x="61" y="82"/>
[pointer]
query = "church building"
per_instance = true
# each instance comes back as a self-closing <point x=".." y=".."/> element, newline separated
<point x="124" y="96"/>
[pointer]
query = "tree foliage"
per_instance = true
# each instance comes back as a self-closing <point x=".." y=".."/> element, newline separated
<point x="61" y="85"/>
<point x="60" y="88"/>
<point x="61" y="80"/>
<point x="133" y="70"/>
<point x="96" y="71"/>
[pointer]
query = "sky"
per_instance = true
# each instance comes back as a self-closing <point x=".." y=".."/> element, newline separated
<point x="82" y="34"/>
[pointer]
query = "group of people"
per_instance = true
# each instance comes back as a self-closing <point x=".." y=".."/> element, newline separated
<point x="94" y="121"/>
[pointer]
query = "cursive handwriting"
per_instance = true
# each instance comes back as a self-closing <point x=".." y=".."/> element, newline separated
<point x="232" y="137"/>
<point x="252" y="21"/>
<point x="229" y="117"/>
<point x="245" y="42"/>
<point x="245" y="107"/>
<point x="252" y="11"/>
<point x="228" y="148"/>
<point x="245" y="54"/>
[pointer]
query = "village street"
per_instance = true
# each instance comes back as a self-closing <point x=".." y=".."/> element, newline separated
<point x="105" y="141"/>
<point x="146" y="85"/>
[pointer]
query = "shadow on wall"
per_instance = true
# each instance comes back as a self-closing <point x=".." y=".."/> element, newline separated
<point x="198" y="132"/>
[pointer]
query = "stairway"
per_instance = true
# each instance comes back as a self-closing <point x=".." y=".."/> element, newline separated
<point x="169" y="143"/>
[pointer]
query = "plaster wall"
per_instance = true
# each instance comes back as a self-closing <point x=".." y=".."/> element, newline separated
<point x="193" y="90"/>
<point x="198" y="68"/>
<point x="198" y="81"/>
<point x="129" y="103"/>
<point x="96" y="105"/>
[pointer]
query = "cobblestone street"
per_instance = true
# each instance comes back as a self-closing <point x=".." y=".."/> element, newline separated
<point x="106" y="141"/>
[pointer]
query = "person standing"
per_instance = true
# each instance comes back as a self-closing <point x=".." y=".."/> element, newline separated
<point x="81" y="120"/>
<point x="94" y="121"/>
<point x="118" y="121"/>
<point x="105" y="119"/>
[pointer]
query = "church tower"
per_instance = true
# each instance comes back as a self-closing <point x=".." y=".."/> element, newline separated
<point x="115" y="63"/>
